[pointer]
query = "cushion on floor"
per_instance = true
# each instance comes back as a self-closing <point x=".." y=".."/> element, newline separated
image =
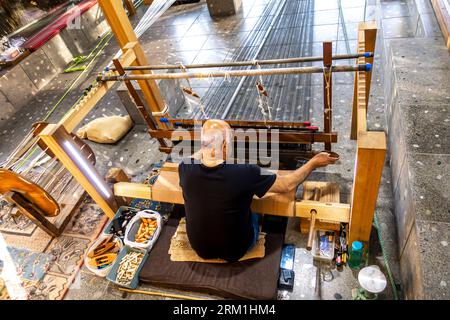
<point x="251" y="279"/>
<point x="180" y="249"/>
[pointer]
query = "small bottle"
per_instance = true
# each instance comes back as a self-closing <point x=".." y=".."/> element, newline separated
<point x="339" y="260"/>
<point x="356" y="253"/>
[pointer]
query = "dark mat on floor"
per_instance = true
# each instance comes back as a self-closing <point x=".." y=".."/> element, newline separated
<point x="252" y="279"/>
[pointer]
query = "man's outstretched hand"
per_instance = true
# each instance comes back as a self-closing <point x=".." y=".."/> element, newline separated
<point x="322" y="160"/>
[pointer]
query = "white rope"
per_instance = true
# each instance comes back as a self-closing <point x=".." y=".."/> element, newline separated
<point x="263" y="97"/>
<point x="154" y="11"/>
<point x="189" y="94"/>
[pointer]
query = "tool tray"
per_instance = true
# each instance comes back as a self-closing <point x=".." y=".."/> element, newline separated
<point x="104" y="271"/>
<point x="119" y="213"/>
<point x="112" y="275"/>
<point x="133" y="227"/>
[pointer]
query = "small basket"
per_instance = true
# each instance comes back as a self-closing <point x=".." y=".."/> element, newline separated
<point x="133" y="227"/>
<point x="112" y="275"/>
<point x="104" y="271"/>
<point x="108" y="228"/>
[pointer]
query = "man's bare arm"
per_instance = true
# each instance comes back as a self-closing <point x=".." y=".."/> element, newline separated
<point x="286" y="183"/>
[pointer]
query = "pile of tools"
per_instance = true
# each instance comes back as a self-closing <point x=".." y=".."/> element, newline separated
<point x="105" y="253"/>
<point x="146" y="230"/>
<point x="128" y="267"/>
<point x="120" y="223"/>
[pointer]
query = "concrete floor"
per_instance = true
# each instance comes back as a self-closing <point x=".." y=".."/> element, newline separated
<point x="188" y="34"/>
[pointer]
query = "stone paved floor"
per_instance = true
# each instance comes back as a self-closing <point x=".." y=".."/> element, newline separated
<point x="188" y="34"/>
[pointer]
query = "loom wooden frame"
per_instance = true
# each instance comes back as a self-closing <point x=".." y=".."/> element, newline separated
<point x="370" y="154"/>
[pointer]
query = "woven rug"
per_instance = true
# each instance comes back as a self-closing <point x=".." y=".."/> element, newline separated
<point x="20" y="225"/>
<point x="181" y="250"/>
<point x="47" y="266"/>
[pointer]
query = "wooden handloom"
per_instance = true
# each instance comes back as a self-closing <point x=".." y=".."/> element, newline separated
<point x="48" y="196"/>
<point x="370" y="154"/>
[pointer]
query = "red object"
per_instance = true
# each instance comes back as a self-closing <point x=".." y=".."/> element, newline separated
<point x="59" y="24"/>
<point x="312" y="128"/>
<point x="307" y="123"/>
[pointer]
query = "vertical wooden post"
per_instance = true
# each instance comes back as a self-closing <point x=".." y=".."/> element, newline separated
<point x="58" y="140"/>
<point x="367" y="34"/>
<point x="370" y="38"/>
<point x="148" y="117"/>
<point x="327" y="89"/>
<point x="130" y="6"/>
<point x="370" y="156"/>
<point x="120" y="25"/>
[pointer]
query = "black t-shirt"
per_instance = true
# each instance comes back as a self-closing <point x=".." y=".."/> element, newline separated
<point x="217" y="202"/>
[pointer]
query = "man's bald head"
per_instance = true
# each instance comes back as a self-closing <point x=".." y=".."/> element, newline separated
<point x="216" y="138"/>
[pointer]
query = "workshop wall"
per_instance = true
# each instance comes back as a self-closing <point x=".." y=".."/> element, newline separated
<point x="20" y="83"/>
<point x="418" y="116"/>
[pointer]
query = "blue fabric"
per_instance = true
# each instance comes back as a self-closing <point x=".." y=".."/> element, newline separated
<point x="255" y="224"/>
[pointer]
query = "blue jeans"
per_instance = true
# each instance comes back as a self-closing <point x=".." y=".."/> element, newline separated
<point x="255" y="224"/>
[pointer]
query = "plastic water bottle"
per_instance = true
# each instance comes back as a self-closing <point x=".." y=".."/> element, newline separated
<point x="356" y="254"/>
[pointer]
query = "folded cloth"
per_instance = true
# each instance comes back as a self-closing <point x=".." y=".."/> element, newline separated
<point x="181" y="250"/>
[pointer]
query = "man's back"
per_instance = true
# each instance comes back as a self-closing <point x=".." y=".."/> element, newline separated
<point x="217" y="201"/>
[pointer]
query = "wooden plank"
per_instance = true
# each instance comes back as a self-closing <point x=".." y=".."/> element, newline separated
<point x="120" y="25"/>
<point x="284" y="136"/>
<point x="329" y="211"/>
<point x="130" y="6"/>
<point x="77" y="114"/>
<point x="327" y="89"/>
<point x="115" y="175"/>
<point x="32" y="212"/>
<point x="370" y="38"/>
<point x="245" y="123"/>
<point x="167" y="189"/>
<point x="60" y="143"/>
<point x="370" y="156"/>
<point x="330" y="192"/>
<point x="442" y="10"/>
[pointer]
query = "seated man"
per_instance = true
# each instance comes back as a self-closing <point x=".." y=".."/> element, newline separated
<point x="218" y="195"/>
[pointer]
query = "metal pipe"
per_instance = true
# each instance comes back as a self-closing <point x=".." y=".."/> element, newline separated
<point x="234" y="73"/>
<point x="244" y="63"/>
